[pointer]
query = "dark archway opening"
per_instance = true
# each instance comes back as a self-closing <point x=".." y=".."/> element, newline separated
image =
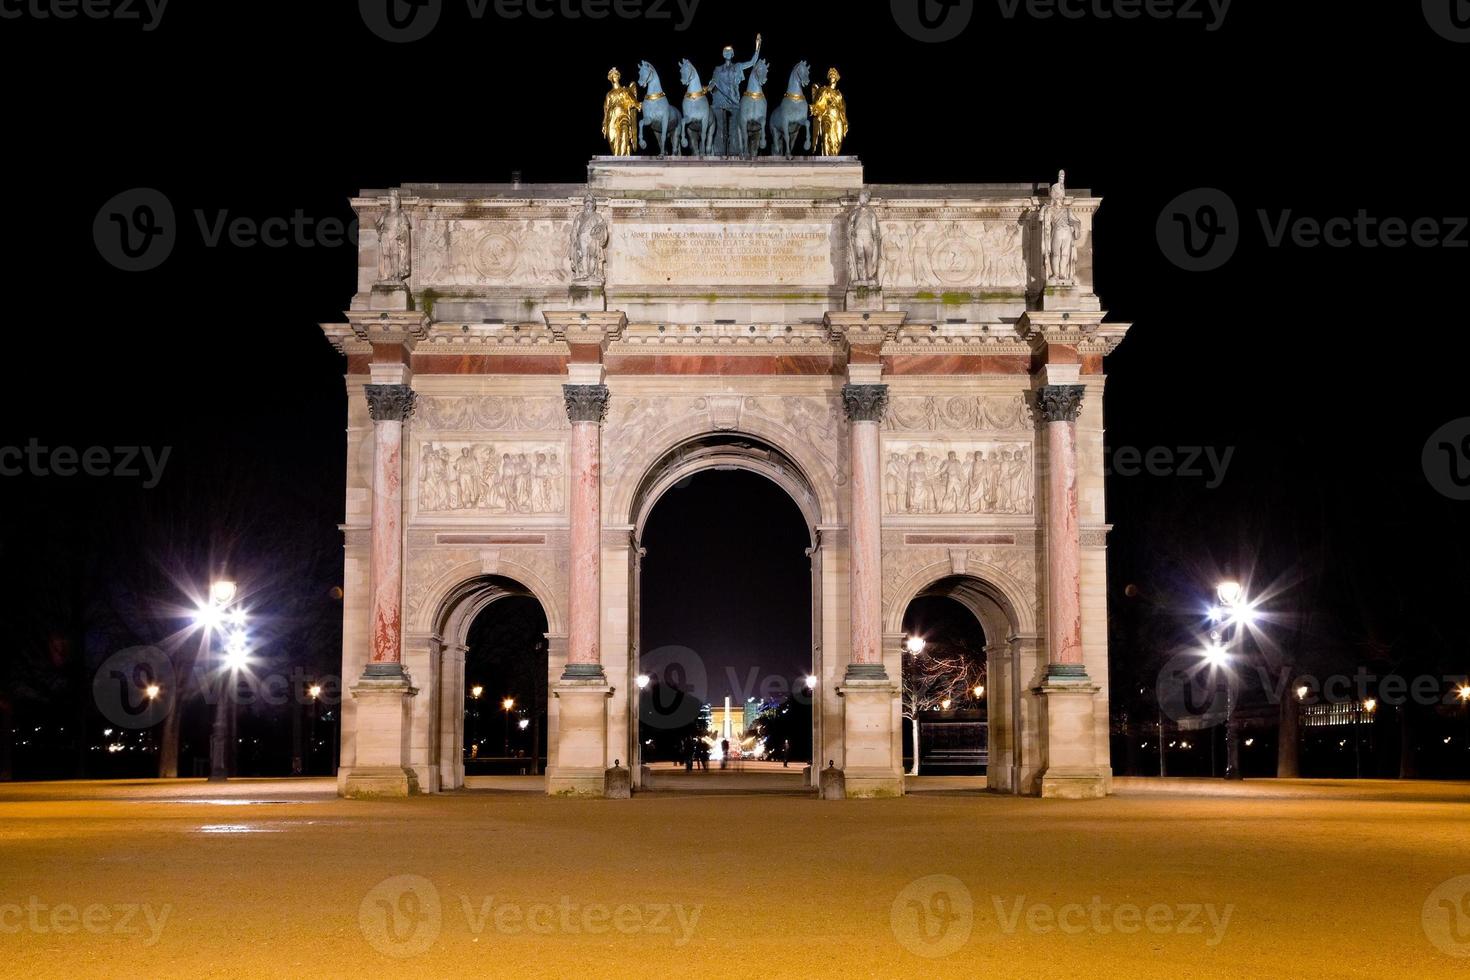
<point x="505" y="689"/>
<point x="726" y="613"/>
<point x="944" y="689"/>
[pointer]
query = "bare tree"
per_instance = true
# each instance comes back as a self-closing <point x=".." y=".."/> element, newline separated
<point x="932" y="682"/>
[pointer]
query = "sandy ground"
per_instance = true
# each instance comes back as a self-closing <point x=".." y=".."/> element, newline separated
<point x="1178" y="879"/>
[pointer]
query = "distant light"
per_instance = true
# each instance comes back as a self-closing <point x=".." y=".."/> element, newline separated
<point x="476" y="691"/>
<point x="315" y="691"/>
<point x="508" y="703"/>
<point x="914" y="645"/>
<point x="944" y="705"/>
<point x="222" y="592"/>
<point x="642" y="681"/>
<point x="1370" y="705"/>
<point x="152" y="691"/>
<point x="811" y="682"/>
<point x="1301" y="692"/>
<point x="1249" y="742"/>
<point x="1464" y="692"/>
<point x="979" y="691"/>
<point x="523" y="724"/>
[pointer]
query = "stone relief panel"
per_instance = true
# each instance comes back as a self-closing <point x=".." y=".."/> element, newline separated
<point x="508" y="477"/>
<point x="505" y="413"/>
<point x="953" y="255"/>
<point x="423" y="571"/>
<point x="632" y="423"/>
<point x="530" y="252"/>
<point x="943" y="477"/>
<point x="813" y="422"/>
<point x="988" y="413"/>
<point x="1018" y="563"/>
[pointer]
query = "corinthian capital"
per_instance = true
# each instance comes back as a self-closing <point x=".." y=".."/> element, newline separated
<point x="585" y="403"/>
<point x="865" y="403"/>
<point x="1059" y="403"/>
<point x="389" y="403"/>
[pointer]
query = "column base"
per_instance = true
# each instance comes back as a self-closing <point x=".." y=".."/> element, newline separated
<point x="869" y="713"/>
<point x="1069" y="737"/>
<point x="579" y="760"/>
<point x="384" y="707"/>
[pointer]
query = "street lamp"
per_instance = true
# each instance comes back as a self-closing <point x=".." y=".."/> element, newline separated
<point x="642" y="681"/>
<point x="979" y="691"/>
<point x="507" y="704"/>
<point x="914" y="645"/>
<point x="151" y="692"/>
<point x="1233" y="612"/>
<point x="217" y="614"/>
<point x="475" y="693"/>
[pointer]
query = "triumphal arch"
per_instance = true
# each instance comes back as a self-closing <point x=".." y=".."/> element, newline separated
<point x="529" y="367"/>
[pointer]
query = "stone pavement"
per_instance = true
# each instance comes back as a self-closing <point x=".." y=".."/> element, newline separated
<point x="1180" y="878"/>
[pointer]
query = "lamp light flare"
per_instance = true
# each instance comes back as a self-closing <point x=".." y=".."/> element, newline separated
<point x="476" y="691"/>
<point x="642" y="681"/>
<point x="151" y="691"/>
<point x="914" y="645"/>
<point x="508" y="703"/>
<point x="222" y="592"/>
<point x="1229" y="592"/>
<point x="811" y="682"/>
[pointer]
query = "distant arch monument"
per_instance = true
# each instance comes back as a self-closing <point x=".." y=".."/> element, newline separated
<point x="529" y="367"/>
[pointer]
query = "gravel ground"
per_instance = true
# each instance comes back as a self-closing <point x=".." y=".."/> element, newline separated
<point x="1175" y="878"/>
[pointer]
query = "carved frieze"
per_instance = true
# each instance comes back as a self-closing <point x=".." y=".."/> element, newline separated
<point x="461" y="478"/>
<point x="957" y="478"/>
<point x="979" y="413"/>
<point x="506" y="413"/>
<point x="953" y="254"/>
<point x="530" y="252"/>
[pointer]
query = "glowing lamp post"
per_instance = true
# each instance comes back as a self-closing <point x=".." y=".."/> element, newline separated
<point x="1233" y="611"/>
<point x="217" y="615"/>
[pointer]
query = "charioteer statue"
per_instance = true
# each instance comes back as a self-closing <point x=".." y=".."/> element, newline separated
<point x="725" y="86"/>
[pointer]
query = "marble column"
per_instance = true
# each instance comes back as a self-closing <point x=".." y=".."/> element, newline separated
<point x="383" y="695"/>
<point x="872" y="765"/>
<point x="389" y="406"/>
<point x="586" y="409"/>
<point x="1059" y="406"/>
<point x="1069" y="718"/>
<point x="865" y="405"/>
<point x="579" y="754"/>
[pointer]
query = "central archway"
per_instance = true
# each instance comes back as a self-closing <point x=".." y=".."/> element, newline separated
<point x="757" y="674"/>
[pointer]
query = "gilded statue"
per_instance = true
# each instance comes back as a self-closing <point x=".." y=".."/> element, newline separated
<point x="829" y="108"/>
<point x="619" y="116"/>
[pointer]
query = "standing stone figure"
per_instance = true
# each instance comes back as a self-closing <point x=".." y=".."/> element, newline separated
<point x="725" y="85"/>
<point x="619" y="116"/>
<point x="1060" y="229"/>
<point x="829" y="108"/>
<point x="589" y="244"/>
<point x="395" y="247"/>
<point x="864" y="242"/>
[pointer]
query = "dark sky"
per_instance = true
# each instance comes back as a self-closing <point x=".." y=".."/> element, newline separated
<point x="1324" y="369"/>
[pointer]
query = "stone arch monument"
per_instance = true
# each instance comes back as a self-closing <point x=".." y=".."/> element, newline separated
<point x="522" y="390"/>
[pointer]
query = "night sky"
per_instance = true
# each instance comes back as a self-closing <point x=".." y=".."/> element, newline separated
<point x="1323" y="370"/>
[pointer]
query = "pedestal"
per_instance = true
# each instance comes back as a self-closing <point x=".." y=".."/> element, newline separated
<point x="580" y="765"/>
<point x="1069" y="737"/>
<point x="863" y="298"/>
<point x="868" y="716"/>
<point x="381" y="768"/>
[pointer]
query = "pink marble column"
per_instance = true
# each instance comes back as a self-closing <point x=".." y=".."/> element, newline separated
<point x="1059" y="406"/>
<point x="389" y="406"/>
<point x="865" y="405"/>
<point x="586" y="409"/>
